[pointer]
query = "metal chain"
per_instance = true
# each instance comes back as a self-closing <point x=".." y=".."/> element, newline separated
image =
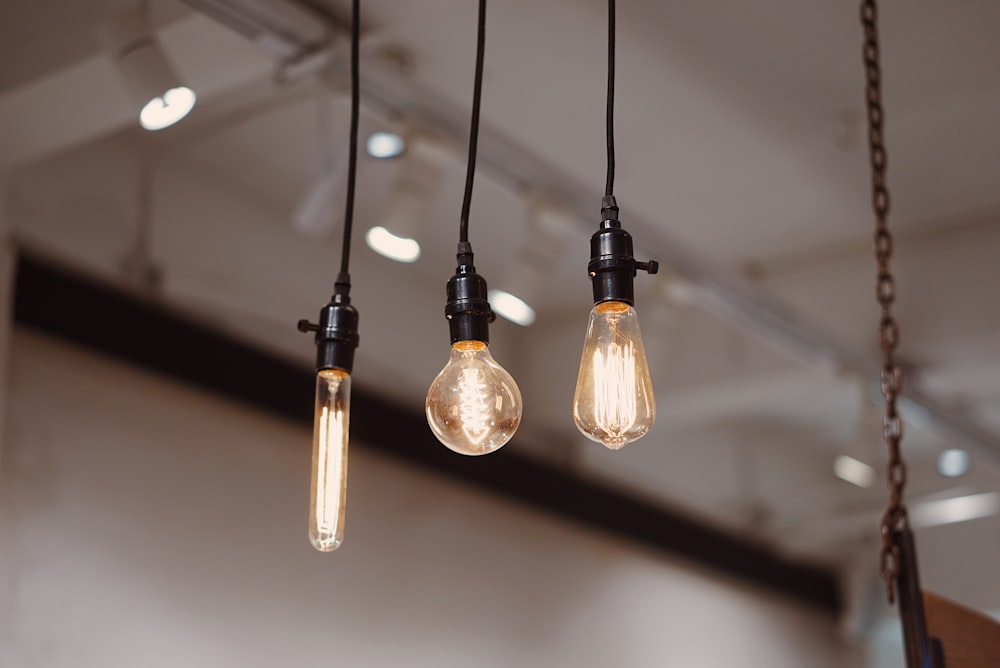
<point x="885" y="291"/>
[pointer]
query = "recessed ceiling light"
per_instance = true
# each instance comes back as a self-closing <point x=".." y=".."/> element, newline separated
<point x="953" y="463"/>
<point x="392" y="246"/>
<point x="164" y="111"/>
<point x="385" y="145"/>
<point x="853" y="471"/>
<point x="511" y="307"/>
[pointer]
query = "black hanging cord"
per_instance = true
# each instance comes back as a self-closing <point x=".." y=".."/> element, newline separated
<point x="352" y="166"/>
<point x="610" y="183"/>
<point x="337" y="329"/>
<point x="468" y="309"/>
<point x="477" y="94"/>
<point x="612" y="260"/>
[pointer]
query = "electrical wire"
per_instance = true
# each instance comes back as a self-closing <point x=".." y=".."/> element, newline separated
<point x="610" y="182"/>
<point x="477" y="94"/>
<point x="352" y="165"/>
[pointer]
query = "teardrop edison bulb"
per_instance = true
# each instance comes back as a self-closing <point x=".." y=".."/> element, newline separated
<point x="329" y="463"/>
<point x="473" y="406"/>
<point x="613" y="403"/>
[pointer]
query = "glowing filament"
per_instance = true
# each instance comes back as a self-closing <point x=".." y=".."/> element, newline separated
<point x="326" y="525"/>
<point x="614" y="380"/>
<point x="613" y="402"/>
<point x="473" y="405"/>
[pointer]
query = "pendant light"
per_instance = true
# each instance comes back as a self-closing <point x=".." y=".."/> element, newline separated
<point x="613" y="402"/>
<point x="336" y="340"/>
<point x="473" y="406"/>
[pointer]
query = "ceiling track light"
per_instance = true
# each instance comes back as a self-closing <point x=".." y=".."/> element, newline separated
<point x="613" y="402"/>
<point x="143" y="67"/>
<point x="853" y="470"/>
<point x="384" y="145"/>
<point x="336" y="340"/>
<point x="388" y="244"/>
<point x="512" y="307"/>
<point x="953" y="463"/>
<point x="407" y="208"/>
<point x="314" y="215"/>
<point x="520" y="286"/>
<point x="473" y="406"/>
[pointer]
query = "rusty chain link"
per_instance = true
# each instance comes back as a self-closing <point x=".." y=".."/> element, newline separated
<point x="885" y="292"/>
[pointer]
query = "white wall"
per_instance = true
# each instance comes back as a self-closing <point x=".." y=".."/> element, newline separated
<point x="145" y="523"/>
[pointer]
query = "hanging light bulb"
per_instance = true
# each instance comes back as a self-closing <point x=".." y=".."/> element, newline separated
<point x="613" y="402"/>
<point x="473" y="406"/>
<point x="329" y="460"/>
<point x="336" y="340"/>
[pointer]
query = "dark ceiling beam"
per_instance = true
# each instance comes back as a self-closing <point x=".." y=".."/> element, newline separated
<point x="109" y="320"/>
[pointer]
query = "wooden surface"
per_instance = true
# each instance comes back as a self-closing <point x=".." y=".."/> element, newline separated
<point x="970" y="638"/>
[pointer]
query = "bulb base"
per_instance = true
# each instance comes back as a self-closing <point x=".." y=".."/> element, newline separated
<point x="612" y="265"/>
<point x="337" y="332"/>
<point x="468" y="309"/>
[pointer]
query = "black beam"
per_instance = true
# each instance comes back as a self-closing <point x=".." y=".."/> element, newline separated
<point x="106" y="319"/>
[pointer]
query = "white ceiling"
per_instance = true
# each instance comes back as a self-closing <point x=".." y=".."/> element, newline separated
<point x="740" y="154"/>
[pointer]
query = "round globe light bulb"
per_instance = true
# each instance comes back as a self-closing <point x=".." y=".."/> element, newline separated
<point x="473" y="406"/>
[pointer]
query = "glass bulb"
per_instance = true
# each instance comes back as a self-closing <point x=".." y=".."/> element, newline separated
<point x="329" y="464"/>
<point x="473" y="406"/>
<point x="613" y="402"/>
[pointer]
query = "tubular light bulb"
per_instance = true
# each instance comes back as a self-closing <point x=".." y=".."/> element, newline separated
<point x="329" y="464"/>
<point x="613" y="403"/>
<point x="473" y="406"/>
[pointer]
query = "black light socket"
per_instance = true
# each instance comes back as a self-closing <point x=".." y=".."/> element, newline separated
<point x="337" y="332"/>
<point x="613" y="266"/>
<point x="468" y="310"/>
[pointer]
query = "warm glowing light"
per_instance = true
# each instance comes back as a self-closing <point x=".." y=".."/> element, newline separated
<point x="614" y="373"/>
<point x="394" y="247"/>
<point x="853" y="471"/>
<point x="385" y="145"/>
<point x="162" y="112"/>
<point x="474" y="405"/>
<point x="329" y="466"/>
<point x="613" y="403"/>
<point x="511" y="307"/>
<point x="953" y="463"/>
